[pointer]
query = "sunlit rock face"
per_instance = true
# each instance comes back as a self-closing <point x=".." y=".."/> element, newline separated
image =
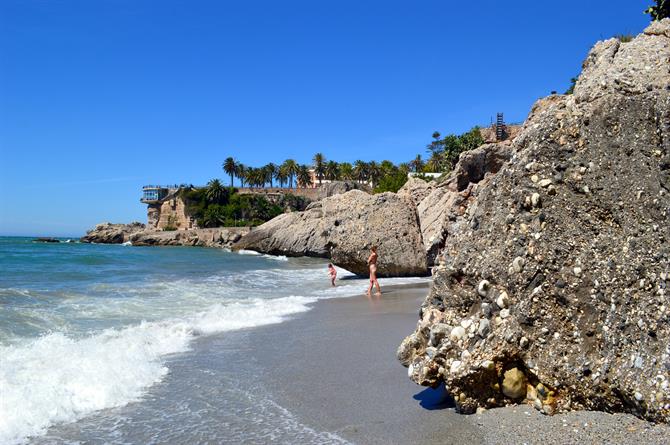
<point x="551" y="285"/>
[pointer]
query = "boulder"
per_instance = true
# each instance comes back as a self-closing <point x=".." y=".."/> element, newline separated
<point x="343" y="228"/>
<point x="572" y="236"/>
<point x="333" y="188"/>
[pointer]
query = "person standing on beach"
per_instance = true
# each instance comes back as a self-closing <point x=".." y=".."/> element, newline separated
<point x="333" y="273"/>
<point x="372" y="264"/>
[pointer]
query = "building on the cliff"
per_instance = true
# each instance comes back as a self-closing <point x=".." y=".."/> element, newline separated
<point x="166" y="210"/>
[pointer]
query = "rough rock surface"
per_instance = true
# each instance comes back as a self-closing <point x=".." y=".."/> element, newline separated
<point x="343" y="228"/>
<point x="560" y="265"/>
<point x="214" y="237"/>
<point x="329" y="189"/>
<point x="138" y="235"/>
<point x="108" y="233"/>
<point x="440" y="204"/>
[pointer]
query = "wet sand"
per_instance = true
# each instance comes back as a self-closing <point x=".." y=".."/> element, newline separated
<point x="334" y="368"/>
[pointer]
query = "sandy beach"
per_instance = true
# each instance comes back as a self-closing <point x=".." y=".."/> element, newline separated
<point x="335" y="369"/>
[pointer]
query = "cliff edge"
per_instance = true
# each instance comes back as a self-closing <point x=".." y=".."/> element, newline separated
<point x="551" y="286"/>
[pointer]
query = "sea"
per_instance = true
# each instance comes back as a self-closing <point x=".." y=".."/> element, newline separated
<point x="113" y="343"/>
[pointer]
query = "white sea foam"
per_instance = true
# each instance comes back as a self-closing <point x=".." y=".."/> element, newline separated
<point x="276" y="257"/>
<point x="56" y="378"/>
<point x="248" y="252"/>
<point x="66" y="375"/>
<point x="127" y="243"/>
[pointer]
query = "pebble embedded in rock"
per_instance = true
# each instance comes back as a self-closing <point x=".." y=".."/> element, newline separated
<point x="517" y="264"/>
<point x="502" y="300"/>
<point x="504" y="313"/>
<point x="514" y="384"/>
<point x="457" y="333"/>
<point x="544" y="183"/>
<point x="535" y="199"/>
<point x="484" y="328"/>
<point x="483" y="288"/>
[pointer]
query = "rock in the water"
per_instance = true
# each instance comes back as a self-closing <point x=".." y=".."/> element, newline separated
<point x="108" y="233"/>
<point x="582" y="262"/>
<point x="343" y="228"/>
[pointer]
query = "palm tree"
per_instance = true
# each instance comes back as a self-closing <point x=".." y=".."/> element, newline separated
<point x="417" y="163"/>
<point x="360" y="170"/>
<point x="332" y="171"/>
<point x="374" y="173"/>
<point x="404" y="167"/>
<point x="241" y="173"/>
<point x="215" y="191"/>
<point x="304" y="176"/>
<point x="434" y="163"/>
<point x="346" y="171"/>
<point x="291" y="170"/>
<point x="230" y="167"/>
<point x="319" y="165"/>
<point x="270" y="171"/>
<point x="281" y="176"/>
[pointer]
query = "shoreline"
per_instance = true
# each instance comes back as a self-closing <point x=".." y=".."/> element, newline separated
<point x="336" y="371"/>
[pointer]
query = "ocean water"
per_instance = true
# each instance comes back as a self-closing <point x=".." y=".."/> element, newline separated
<point x="100" y="343"/>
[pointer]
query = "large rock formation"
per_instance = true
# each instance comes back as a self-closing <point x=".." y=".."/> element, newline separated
<point x="213" y="237"/>
<point x="108" y="233"/>
<point x="440" y="204"/>
<point x="552" y="285"/>
<point x="343" y="228"/>
<point x="138" y="235"/>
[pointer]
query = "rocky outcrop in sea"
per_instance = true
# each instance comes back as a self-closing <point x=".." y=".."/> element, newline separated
<point x="551" y="285"/>
<point x="138" y="235"/>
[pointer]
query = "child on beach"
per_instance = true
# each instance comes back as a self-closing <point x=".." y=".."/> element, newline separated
<point x="333" y="273"/>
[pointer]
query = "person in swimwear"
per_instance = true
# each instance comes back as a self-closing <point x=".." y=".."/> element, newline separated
<point x="372" y="264"/>
<point x="333" y="273"/>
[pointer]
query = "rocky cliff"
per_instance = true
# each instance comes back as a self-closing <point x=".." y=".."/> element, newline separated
<point x="552" y="285"/>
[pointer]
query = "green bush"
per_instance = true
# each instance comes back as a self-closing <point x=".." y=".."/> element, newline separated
<point x="391" y="183"/>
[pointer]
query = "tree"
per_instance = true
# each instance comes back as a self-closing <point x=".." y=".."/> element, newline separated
<point x="360" y="171"/>
<point x="660" y="11"/>
<point x="387" y="167"/>
<point x="304" y="176"/>
<point x="417" y="164"/>
<point x="241" y="173"/>
<point x="230" y="167"/>
<point x="281" y="176"/>
<point x="374" y="173"/>
<point x="270" y="170"/>
<point x="319" y="166"/>
<point x="215" y="191"/>
<point x="332" y="171"/>
<point x="346" y="171"/>
<point x="291" y="170"/>
<point x="571" y="89"/>
<point x="436" y="145"/>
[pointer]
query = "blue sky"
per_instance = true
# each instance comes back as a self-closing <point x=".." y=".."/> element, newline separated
<point x="98" y="98"/>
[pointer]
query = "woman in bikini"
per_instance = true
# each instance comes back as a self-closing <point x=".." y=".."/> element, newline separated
<point x="372" y="263"/>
